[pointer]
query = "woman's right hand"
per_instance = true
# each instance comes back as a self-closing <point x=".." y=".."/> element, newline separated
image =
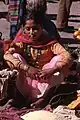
<point x="11" y="50"/>
<point x="33" y="72"/>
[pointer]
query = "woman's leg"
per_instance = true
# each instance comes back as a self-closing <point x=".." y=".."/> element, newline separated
<point x="19" y="101"/>
<point x="16" y="55"/>
<point x="22" y="88"/>
<point x="24" y="82"/>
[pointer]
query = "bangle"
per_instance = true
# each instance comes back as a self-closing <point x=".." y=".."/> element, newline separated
<point x="26" y="67"/>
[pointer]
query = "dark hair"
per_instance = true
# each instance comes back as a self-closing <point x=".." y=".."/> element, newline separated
<point x="38" y="7"/>
<point x="35" y="9"/>
<point x="34" y="17"/>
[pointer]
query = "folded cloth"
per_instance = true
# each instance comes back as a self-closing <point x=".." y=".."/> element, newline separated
<point x="38" y="115"/>
<point x="76" y="103"/>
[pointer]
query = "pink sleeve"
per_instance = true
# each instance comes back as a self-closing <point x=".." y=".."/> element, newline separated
<point x="53" y="62"/>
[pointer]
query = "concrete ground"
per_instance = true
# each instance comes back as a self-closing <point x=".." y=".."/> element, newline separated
<point x="74" y="19"/>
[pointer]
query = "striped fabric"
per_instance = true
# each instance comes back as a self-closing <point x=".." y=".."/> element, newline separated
<point x="15" y="11"/>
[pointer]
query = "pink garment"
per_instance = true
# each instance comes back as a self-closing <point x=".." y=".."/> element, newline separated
<point x="36" y="88"/>
<point x="52" y="63"/>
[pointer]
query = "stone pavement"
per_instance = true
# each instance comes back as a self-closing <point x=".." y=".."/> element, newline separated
<point x="74" y="19"/>
<point x="67" y="37"/>
<point x="4" y="24"/>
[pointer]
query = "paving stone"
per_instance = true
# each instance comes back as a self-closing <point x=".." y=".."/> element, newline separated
<point x="3" y="7"/>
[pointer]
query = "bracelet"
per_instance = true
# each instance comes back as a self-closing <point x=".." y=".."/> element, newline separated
<point x="26" y="67"/>
<point x="22" y="66"/>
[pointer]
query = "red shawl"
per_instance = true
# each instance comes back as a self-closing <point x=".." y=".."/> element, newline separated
<point x="44" y="41"/>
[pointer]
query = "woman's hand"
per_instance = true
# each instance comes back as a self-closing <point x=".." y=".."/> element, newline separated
<point x="11" y="50"/>
<point x="46" y="73"/>
<point x="33" y="72"/>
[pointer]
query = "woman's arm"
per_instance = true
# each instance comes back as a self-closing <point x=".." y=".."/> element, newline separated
<point x="60" y="62"/>
<point x="66" y="59"/>
<point x="12" y="61"/>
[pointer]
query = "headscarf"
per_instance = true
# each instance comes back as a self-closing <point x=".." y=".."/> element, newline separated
<point x="44" y="41"/>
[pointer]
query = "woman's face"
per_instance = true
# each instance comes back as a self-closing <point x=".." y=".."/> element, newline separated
<point x="32" y="30"/>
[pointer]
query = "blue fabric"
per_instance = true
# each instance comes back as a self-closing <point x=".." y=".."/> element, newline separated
<point x="13" y="31"/>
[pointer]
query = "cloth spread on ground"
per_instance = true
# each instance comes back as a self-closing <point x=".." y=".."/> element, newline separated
<point x="27" y="114"/>
<point x="76" y="103"/>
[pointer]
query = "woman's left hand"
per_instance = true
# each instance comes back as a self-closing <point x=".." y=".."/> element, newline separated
<point x="46" y="73"/>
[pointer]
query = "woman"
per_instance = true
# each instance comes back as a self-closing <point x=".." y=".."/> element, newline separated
<point x="19" y="8"/>
<point x="37" y="56"/>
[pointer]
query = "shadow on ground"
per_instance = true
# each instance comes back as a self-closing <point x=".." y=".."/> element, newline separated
<point x="69" y="40"/>
<point x="74" y="16"/>
<point x="52" y="1"/>
<point x="77" y="21"/>
<point x="52" y="16"/>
